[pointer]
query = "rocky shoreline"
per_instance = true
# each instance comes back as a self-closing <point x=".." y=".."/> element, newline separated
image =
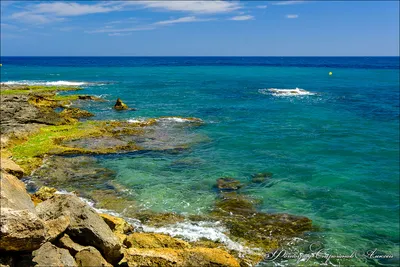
<point x="49" y="228"/>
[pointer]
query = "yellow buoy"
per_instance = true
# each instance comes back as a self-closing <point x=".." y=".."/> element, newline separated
<point x="330" y="73"/>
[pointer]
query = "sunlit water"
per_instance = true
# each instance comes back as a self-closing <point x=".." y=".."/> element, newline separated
<point x="333" y="149"/>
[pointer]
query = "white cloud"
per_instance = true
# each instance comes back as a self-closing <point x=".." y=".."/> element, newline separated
<point x="72" y="9"/>
<point x="245" y="17"/>
<point x="286" y="3"/>
<point x="180" y="20"/>
<point x="119" y="34"/>
<point x="131" y="29"/>
<point x="207" y="7"/>
<point x="29" y="17"/>
<point x="292" y="16"/>
<point x="262" y="6"/>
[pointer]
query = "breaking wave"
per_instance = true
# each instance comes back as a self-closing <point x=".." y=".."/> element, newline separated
<point x="285" y="92"/>
<point x="50" y="83"/>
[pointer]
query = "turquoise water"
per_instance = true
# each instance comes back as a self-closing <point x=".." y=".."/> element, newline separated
<point x="334" y="154"/>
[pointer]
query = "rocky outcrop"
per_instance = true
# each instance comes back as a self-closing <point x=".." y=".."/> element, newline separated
<point x="119" y="105"/>
<point x="56" y="227"/>
<point x="89" y="256"/>
<point x="174" y="257"/>
<point x="261" y="177"/>
<point x="20" y="227"/>
<point x="151" y="240"/>
<point x="66" y="242"/>
<point x="119" y="226"/>
<point x="76" y="113"/>
<point x="50" y="255"/>
<point x="9" y="166"/>
<point x="86" y="226"/>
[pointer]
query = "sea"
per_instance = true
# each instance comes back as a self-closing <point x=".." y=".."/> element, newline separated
<point x="327" y="128"/>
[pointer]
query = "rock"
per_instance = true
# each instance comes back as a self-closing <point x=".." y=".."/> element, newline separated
<point x="174" y="257"/>
<point x="50" y="255"/>
<point x="150" y="240"/>
<point x="7" y="261"/>
<point x="66" y="242"/>
<point x="86" y="97"/>
<point x="90" y="256"/>
<point x="76" y="113"/>
<point x="56" y="227"/>
<point x="260" y="177"/>
<point x="118" y="225"/>
<point x="20" y="227"/>
<point x="44" y="193"/>
<point x="86" y="226"/>
<point x="119" y="105"/>
<point x="228" y="183"/>
<point x="11" y="167"/>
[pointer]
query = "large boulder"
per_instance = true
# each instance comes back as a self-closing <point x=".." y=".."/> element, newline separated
<point x="11" y="167"/>
<point x="50" y="255"/>
<point x="119" y="226"/>
<point x="151" y="240"/>
<point x="86" y="226"/>
<point x="20" y="227"/>
<point x="89" y="256"/>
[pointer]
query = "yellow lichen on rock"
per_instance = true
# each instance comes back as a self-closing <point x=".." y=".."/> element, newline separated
<point x="152" y="240"/>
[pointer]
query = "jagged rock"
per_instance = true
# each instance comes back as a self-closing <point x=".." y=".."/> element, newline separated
<point x="89" y="256"/>
<point x="150" y="240"/>
<point x="86" y="97"/>
<point x="50" y="255"/>
<point x="175" y="257"/>
<point x="20" y="227"/>
<point x="119" y="105"/>
<point x="11" y="167"/>
<point x="56" y="227"/>
<point x="118" y="225"/>
<point x="228" y="183"/>
<point x="66" y="242"/>
<point x="45" y="193"/>
<point x="86" y="226"/>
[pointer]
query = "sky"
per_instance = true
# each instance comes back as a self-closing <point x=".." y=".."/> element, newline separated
<point x="200" y="28"/>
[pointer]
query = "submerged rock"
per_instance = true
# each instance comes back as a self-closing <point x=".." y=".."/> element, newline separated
<point x="261" y="177"/>
<point x="20" y="227"/>
<point x="119" y="105"/>
<point x="228" y="183"/>
<point x="86" y="226"/>
<point x="50" y="255"/>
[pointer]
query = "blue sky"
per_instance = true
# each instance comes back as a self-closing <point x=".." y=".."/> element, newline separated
<point x="190" y="28"/>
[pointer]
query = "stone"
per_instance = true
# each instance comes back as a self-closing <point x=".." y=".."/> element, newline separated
<point x="90" y="256"/>
<point x="260" y="177"/>
<point x="86" y="226"/>
<point x="119" y="226"/>
<point x="56" y="227"/>
<point x="228" y="183"/>
<point x="11" y="167"/>
<point x="66" y="242"/>
<point x="45" y="193"/>
<point x="151" y="240"/>
<point x="50" y="255"/>
<point x="20" y="227"/>
<point x="76" y="113"/>
<point x="175" y="257"/>
<point x="119" y="105"/>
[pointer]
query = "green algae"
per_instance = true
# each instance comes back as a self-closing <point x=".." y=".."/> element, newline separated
<point x="29" y="89"/>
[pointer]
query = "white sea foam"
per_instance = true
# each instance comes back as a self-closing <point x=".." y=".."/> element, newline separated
<point x="285" y="92"/>
<point x="48" y="83"/>
<point x="165" y="119"/>
<point x="194" y="231"/>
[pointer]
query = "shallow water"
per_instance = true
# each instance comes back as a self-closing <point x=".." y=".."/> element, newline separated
<point x="333" y="152"/>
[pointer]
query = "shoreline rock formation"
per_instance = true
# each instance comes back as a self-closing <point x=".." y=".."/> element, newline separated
<point x="47" y="228"/>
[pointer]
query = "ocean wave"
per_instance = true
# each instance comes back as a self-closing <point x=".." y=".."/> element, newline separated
<point x="167" y="119"/>
<point x="47" y="83"/>
<point x="285" y="92"/>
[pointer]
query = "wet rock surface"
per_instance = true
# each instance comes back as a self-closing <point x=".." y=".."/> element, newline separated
<point x="261" y="177"/>
<point x="228" y="183"/>
<point x="119" y="105"/>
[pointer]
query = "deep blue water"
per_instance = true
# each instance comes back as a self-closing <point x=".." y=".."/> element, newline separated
<point x="334" y="152"/>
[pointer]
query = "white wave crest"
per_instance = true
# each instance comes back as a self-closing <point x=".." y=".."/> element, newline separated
<point x="285" y="92"/>
<point x="167" y="119"/>
<point x="195" y="231"/>
<point x="47" y="83"/>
